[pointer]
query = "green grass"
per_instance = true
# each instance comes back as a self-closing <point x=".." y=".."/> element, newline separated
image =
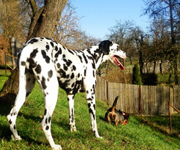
<point x="138" y="134"/>
<point x="3" y="77"/>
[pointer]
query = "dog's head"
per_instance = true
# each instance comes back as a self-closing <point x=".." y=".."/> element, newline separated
<point x="112" y="52"/>
<point x="126" y="117"/>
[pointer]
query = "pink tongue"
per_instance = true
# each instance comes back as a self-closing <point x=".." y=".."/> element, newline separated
<point x="116" y="61"/>
<point x="121" y="66"/>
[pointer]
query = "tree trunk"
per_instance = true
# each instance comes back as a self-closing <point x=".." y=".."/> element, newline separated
<point x="43" y="23"/>
<point x="10" y="88"/>
<point x="45" y="20"/>
<point x="173" y="42"/>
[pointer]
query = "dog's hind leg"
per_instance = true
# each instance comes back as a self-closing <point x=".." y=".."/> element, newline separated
<point x="26" y="84"/>
<point x="49" y="87"/>
<point x="71" y="112"/>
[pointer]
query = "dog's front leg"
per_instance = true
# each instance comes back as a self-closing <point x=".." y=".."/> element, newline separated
<point x="92" y="112"/>
<point x="71" y="112"/>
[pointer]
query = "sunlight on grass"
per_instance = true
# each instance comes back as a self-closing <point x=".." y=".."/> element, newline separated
<point x="135" y="135"/>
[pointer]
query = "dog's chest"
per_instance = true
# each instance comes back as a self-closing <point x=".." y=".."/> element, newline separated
<point x="72" y="68"/>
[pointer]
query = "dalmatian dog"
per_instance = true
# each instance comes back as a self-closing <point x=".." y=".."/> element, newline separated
<point x="53" y="66"/>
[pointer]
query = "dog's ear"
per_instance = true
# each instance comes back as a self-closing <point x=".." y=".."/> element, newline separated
<point x="126" y="116"/>
<point x="104" y="46"/>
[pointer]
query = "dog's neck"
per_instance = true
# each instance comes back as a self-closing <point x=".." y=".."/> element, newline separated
<point x="96" y="55"/>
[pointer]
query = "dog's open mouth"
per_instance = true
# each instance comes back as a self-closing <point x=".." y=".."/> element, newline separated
<point x="117" y="62"/>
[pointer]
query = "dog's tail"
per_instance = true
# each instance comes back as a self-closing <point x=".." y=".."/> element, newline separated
<point x="115" y="102"/>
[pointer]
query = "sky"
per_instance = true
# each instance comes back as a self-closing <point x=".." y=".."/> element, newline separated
<point x="98" y="16"/>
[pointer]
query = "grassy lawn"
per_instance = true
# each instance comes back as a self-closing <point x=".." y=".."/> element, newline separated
<point x="136" y="135"/>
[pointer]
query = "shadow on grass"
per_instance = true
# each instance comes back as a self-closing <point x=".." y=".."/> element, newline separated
<point x="6" y="102"/>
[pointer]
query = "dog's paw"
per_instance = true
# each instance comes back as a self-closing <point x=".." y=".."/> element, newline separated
<point x="73" y="129"/>
<point x="17" y="138"/>
<point x="57" y="147"/>
<point x="98" y="136"/>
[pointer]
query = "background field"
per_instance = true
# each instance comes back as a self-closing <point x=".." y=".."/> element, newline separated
<point x="138" y="134"/>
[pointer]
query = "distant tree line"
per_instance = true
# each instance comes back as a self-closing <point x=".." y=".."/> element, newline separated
<point x="160" y="43"/>
<point x="57" y="19"/>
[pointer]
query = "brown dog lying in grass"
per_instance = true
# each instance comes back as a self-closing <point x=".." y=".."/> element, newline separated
<point x="115" y="115"/>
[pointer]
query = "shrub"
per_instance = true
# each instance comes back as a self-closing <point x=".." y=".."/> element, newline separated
<point x="136" y="75"/>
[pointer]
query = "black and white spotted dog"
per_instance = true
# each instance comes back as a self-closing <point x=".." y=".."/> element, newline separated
<point x="53" y="66"/>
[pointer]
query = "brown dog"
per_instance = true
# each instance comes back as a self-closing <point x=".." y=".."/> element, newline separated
<point x="116" y="115"/>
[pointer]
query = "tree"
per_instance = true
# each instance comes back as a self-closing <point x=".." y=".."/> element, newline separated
<point x="160" y="42"/>
<point x="44" y="21"/>
<point x="138" y="36"/>
<point x="130" y="39"/>
<point x="121" y="34"/>
<point x="136" y="75"/>
<point x="169" y="11"/>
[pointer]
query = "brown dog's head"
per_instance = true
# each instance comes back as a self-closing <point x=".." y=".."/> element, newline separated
<point x="126" y="117"/>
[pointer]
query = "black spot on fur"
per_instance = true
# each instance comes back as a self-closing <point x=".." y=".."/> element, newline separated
<point x="80" y="58"/>
<point x="47" y="59"/>
<point x="93" y="73"/>
<point x="74" y="67"/>
<point x="56" y="48"/>
<point x="47" y="127"/>
<point x="23" y="63"/>
<point x="72" y="115"/>
<point x="46" y="120"/>
<point x="88" y="50"/>
<point x="58" y="65"/>
<point x="49" y="120"/>
<point x="14" y="127"/>
<point x="78" y="86"/>
<point x="93" y="88"/>
<point x="78" y="75"/>
<point x="84" y="72"/>
<point x="62" y="73"/>
<point x="32" y="41"/>
<point x="65" y="67"/>
<point x="32" y="64"/>
<point x="72" y="85"/>
<point x="93" y="65"/>
<point x="85" y="59"/>
<point x="50" y="73"/>
<point x="69" y="62"/>
<point x="58" y="53"/>
<point x="71" y="51"/>
<point x="60" y="50"/>
<point x="67" y="76"/>
<point x="91" y="111"/>
<point x="45" y="112"/>
<point x="10" y="122"/>
<point x="43" y="83"/>
<point x="90" y="57"/>
<point x="38" y="69"/>
<point x="33" y="54"/>
<point x="52" y="44"/>
<point x="72" y="75"/>
<point x="47" y="47"/>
